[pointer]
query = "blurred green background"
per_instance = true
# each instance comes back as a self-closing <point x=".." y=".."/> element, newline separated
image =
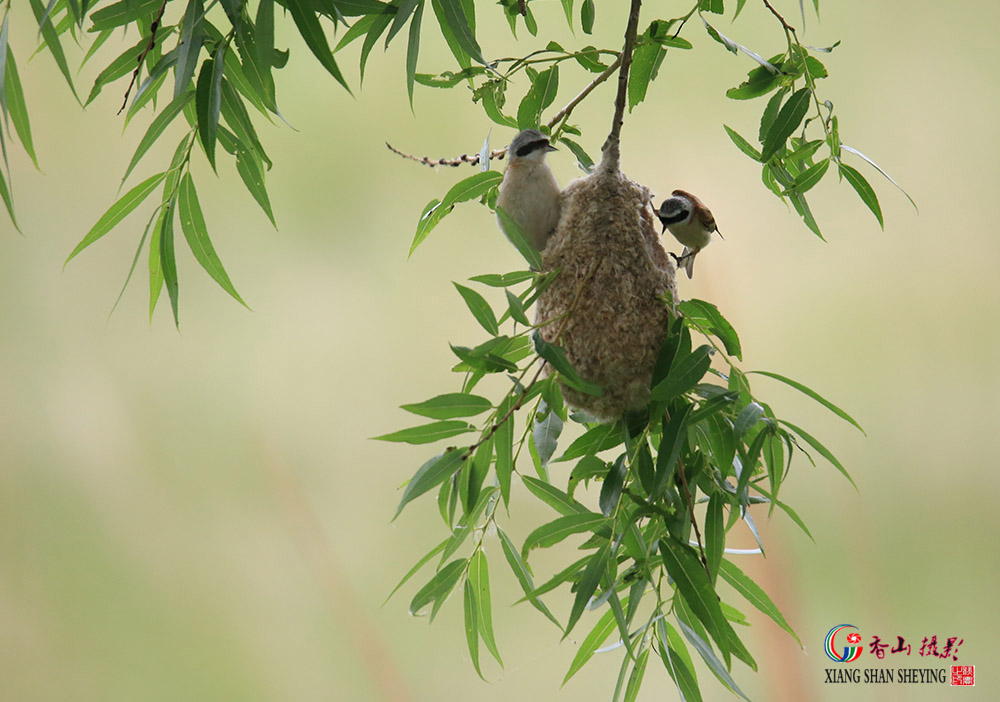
<point x="201" y="515"/>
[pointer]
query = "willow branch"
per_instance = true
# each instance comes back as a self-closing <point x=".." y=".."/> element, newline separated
<point x="608" y="72"/>
<point x="464" y="158"/>
<point x="145" y="52"/>
<point x="630" y="35"/>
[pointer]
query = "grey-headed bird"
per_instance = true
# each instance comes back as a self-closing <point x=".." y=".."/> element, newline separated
<point x="529" y="192"/>
<point x="690" y="222"/>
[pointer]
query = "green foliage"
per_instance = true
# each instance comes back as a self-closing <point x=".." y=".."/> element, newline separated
<point x="675" y="478"/>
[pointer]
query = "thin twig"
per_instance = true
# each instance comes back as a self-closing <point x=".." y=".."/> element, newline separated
<point x="630" y="35"/>
<point x="694" y="522"/>
<point x="564" y="112"/>
<point x="788" y="27"/>
<point x="464" y="158"/>
<point x="145" y="52"/>
<point x="522" y="7"/>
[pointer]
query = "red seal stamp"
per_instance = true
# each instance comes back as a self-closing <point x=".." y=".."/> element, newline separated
<point x="963" y="675"/>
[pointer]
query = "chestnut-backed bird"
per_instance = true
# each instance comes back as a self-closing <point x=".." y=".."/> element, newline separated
<point x="529" y="192"/>
<point x="690" y="222"/>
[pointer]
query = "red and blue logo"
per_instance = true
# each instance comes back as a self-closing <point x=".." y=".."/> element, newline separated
<point x="851" y="652"/>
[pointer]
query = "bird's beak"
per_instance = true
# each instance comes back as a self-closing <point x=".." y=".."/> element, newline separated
<point x="549" y="147"/>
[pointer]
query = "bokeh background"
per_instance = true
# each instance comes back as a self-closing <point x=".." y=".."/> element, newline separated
<point x="202" y="515"/>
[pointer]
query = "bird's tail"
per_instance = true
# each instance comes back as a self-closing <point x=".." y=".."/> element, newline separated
<point x="688" y="257"/>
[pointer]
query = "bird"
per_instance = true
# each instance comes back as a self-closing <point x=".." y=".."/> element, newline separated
<point x="529" y="192"/>
<point x="690" y="222"/>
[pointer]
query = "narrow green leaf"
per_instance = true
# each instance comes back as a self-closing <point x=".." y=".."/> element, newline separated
<point x="672" y="441"/>
<point x="438" y="588"/>
<point x="208" y="102"/>
<point x="252" y="173"/>
<point x="821" y="449"/>
<point x="124" y="64"/>
<point x="122" y="13"/>
<point x="541" y="94"/>
<point x="760" y="81"/>
<point x="747" y="419"/>
<point x="814" y="395"/>
<point x="519" y="239"/>
<point x="523" y="575"/>
<point x="864" y="191"/>
<point x="677" y="661"/>
<point x="516" y="309"/>
<point x="117" y="212"/>
<point x="430" y="475"/>
<point x="742" y="144"/>
<point x="548" y="426"/>
<point x="600" y="438"/>
<point x="770" y="113"/>
<point x="311" y="31"/>
<point x="472" y="625"/>
<point x="805" y="180"/>
<point x="557" y="358"/>
<point x="189" y="47"/>
<point x="635" y="679"/>
<point x="568" y="10"/>
<point x="458" y="23"/>
<point x="553" y="497"/>
<point x="755" y="595"/>
<point x="450" y="405"/>
<point x="428" y="433"/>
<point x="467" y="189"/>
<point x="196" y="233"/>
<point x="52" y="42"/>
<point x="591" y="642"/>
<point x="611" y="490"/>
<point x="503" y="441"/>
<point x="715" y="535"/>
<point x="505" y="280"/>
<point x="707" y="655"/>
<point x="17" y="106"/>
<point x="788" y="120"/>
<point x="561" y="528"/>
<point x="7" y="198"/>
<point x="643" y="60"/>
<point x="874" y="165"/>
<point x="166" y="116"/>
<point x="802" y="207"/>
<point x="479" y="576"/>
<point x="167" y="261"/>
<point x="706" y="316"/>
<point x="412" y="49"/>
<point x="587" y="13"/>
<point x="683" y="375"/>
<point x="413" y="571"/>
<point x="692" y="582"/>
<point x="480" y="309"/>
<point x="587" y="584"/>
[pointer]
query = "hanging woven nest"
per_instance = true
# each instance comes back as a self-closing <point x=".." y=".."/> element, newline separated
<point x="606" y="308"/>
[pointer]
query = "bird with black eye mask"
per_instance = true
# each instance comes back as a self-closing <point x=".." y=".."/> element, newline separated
<point x="690" y="222"/>
<point x="529" y="192"/>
